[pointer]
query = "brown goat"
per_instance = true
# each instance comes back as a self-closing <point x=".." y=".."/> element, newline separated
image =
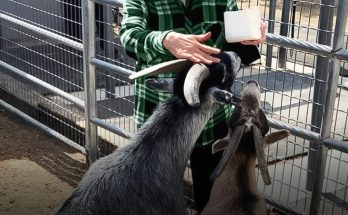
<point x="234" y="191"/>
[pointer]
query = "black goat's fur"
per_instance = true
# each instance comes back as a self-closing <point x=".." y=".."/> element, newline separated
<point x="145" y="177"/>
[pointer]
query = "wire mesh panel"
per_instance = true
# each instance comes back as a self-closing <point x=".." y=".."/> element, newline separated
<point x="56" y="64"/>
<point x="294" y="86"/>
<point x="117" y="93"/>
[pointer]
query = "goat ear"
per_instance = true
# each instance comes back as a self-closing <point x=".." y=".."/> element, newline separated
<point x="160" y="84"/>
<point x="166" y="67"/>
<point x="234" y="141"/>
<point x="264" y="126"/>
<point x="276" y="136"/>
<point x="221" y="144"/>
<point x="260" y="153"/>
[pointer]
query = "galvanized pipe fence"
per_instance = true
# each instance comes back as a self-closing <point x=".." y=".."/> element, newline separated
<point x="326" y="76"/>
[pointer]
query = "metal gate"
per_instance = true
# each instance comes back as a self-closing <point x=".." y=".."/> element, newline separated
<point x="73" y="84"/>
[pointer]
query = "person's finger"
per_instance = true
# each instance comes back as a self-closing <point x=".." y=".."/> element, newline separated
<point x="209" y="49"/>
<point x="259" y="41"/>
<point x="206" y="58"/>
<point x="203" y="37"/>
<point x="249" y="42"/>
<point x="202" y="59"/>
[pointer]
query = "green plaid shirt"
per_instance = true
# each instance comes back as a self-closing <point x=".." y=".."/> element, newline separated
<point x="145" y="24"/>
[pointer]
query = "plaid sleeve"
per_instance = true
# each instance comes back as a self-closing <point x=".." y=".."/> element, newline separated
<point x="141" y="44"/>
<point x="231" y="5"/>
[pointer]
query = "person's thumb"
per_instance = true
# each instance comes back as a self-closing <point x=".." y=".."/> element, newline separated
<point x="203" y="37"/>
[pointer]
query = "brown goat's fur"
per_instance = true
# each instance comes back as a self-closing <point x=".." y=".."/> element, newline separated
<point x="234" y="191"/>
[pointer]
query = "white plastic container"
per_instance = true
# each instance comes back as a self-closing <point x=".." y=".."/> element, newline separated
<point x="243" y="25"/>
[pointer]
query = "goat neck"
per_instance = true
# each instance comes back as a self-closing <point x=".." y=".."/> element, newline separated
<point x="235" y="190"/>
<point x="180" y="129"/>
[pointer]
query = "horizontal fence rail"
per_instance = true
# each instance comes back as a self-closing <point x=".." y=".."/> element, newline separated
<point x="118" y="3"/>
<point x="38" y="30"/>
<point x="111" y="128"/>
<point x="303" y="133"/>
<point x="283" y="207"/>
<point x="13" y="71"/>
<point x="42" y="127"/>
<point x="111" y="67"/>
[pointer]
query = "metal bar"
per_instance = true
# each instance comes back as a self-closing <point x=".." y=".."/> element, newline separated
<point x="341" y="54"/>
<point x="1" y="41"/>
<point x="287" y="42"/>
<point x="109" y="49"/>
<point x="299" y="132"/>
<point x="111" y="67"/>
<point x="280" y="205"/>
<point x="284" y="25"/>
<point x="321" y="75"/>
<point x="118" y="3"/>
<point x="41" y="126"/>
<point x="339" y="145"/>
<point x="13" y="71"/>
<point x="111" y="128"/>
<point x="38" y="30"/>
<point x="338" y="43"/>
<point x="271" y="18"/>
<point x="89" y="52"/>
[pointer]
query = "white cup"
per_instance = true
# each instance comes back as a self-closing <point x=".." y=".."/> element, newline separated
<point x="243" y="25"/>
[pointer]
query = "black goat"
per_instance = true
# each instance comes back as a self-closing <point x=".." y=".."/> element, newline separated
<point x="146" y="176"/>
<point x="234" y="191"/>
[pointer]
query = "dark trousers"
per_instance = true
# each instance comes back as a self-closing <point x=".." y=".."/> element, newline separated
<point x="202" y="165"/>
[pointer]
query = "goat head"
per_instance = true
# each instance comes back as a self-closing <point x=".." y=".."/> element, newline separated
<point x="192" y="78"/>
<point x="248" y="119"/>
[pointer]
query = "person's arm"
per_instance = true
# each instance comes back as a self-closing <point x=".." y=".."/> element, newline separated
<point x="140" y="43"/>
<point x="146" y="45"/>
<point x="191" y="47"/>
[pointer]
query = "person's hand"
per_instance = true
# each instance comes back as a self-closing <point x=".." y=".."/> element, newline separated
<point x="191" y="47"/>
<point x="259" y="41"/>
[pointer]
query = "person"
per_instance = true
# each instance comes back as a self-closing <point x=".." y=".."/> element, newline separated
<point x="153" y="32"/>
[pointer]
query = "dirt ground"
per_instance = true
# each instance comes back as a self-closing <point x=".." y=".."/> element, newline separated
<point x="37" y="172"/>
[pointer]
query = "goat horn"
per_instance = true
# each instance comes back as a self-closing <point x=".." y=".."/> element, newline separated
<point x="193" y="80"/>
<point x="165" y="67"/>
<point x="235" y="138"/>
<point x="260" y="153"/>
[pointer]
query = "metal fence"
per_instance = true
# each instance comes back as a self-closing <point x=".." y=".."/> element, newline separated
<point x="73" y="84"/>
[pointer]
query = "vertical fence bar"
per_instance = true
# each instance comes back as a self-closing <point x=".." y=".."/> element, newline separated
<point x="338" y="43"/>
<point x="284" y="27"/>
<point x="271" y="18"/>
<point x="89" y="52"/>
<point x="1" y="40"/>
<point x="109" y="49"/>
<point x="321" y="73"/>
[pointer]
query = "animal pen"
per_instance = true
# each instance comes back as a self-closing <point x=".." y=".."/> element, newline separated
<point x="73" y="84"/>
